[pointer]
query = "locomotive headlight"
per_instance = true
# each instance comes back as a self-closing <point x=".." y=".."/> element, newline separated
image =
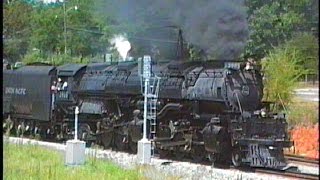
<point x="248" y="66"/>
<point x="263" y="112"/>
<point x="271" y="147"/>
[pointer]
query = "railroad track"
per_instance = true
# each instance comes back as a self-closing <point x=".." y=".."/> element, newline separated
<point x="288" y="174"/>
<point x="302" y="160"/>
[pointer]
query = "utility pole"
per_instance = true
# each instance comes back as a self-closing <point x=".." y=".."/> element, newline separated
<point x="65" y="24"/>
<point x="64" y="27"/>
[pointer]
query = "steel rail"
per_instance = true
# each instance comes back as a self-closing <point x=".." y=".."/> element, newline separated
<point x="290" y="174"/>
<point x="302" y="160"/>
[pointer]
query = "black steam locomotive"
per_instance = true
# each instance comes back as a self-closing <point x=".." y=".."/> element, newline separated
<point x="204" y="109"/>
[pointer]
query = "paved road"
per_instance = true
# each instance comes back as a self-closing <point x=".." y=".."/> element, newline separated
<point x="308" y="94"/>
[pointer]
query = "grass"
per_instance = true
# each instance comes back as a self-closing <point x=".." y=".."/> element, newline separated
<point x="303" y="113"/>
<point x="33" y="162"/>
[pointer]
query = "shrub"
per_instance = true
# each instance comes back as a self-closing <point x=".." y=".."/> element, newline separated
<point x="32" y="57"/>
<point x="55" y="60"/>
<point x="282" y="70"/>
<point x="80" y="60"/>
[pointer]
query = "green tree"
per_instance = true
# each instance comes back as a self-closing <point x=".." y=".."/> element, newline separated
<point x="84" y="32"/>
<point x="47" y="30"/>
<point x="308" y="48"/>
<point x="273" y="22"/>
<point x="16" y="29"/>
<point x="82" y="37"/>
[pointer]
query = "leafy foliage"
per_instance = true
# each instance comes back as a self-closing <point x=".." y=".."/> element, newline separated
<point x="282" y="71"/>
<point x="16" y="29"/>
<point x="308" y="48"/>
<point x="29" y="24"/>
<point x="55" y="59"/>
<point x="32" y="57"/>
<point x="273" y="22"/>
<point x="47" y="33"/>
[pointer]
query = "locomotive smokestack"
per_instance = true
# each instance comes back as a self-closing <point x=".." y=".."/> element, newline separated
<point x="180" y="49"/>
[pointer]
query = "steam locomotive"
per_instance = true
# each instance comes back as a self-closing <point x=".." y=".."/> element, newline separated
<point x="210" y="109"/>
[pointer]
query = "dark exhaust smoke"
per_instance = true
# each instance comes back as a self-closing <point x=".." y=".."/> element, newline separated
<point x="219" y="27"/>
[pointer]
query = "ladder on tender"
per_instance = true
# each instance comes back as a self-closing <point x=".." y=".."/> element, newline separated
<point x="152" y="99"/>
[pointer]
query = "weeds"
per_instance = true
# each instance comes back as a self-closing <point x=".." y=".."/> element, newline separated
<point x="303" y="113"/>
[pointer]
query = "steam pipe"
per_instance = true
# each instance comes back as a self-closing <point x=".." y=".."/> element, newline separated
<point x="168" y="107"/>
<point x="239" y="104"/>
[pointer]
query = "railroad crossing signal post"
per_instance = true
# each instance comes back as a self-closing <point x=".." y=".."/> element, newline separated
<point x="75" y="149"/>
<point x="144" y="145"/>
<point x="76" y="123"/>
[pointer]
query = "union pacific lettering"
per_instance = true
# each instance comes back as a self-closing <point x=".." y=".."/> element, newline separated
<point x="17" y="91"/>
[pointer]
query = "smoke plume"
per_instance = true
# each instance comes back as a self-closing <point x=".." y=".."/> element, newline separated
<point x="122" y="45"/>
<point x="219" y="27"/>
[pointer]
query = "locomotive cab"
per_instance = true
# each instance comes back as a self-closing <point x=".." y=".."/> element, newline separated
<point x="67" y="77"/>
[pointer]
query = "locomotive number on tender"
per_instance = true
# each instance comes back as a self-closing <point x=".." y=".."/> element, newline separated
<point x="17" y="91"/>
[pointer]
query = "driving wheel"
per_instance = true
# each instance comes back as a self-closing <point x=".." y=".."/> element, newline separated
<point x="198" y="153"/>
<point x="236" y="157"/>
<point x="133" y="146"/>
<point x="119" y="141"/>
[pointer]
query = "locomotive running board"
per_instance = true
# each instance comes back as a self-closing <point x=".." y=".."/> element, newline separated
<point x="162" y="139"/>
<point x="170" y="144"/>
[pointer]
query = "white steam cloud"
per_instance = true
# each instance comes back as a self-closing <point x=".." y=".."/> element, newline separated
<point x="122" y="45"/>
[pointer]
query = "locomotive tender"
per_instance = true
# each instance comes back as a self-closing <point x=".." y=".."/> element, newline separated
<point x="208" y="109"/>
